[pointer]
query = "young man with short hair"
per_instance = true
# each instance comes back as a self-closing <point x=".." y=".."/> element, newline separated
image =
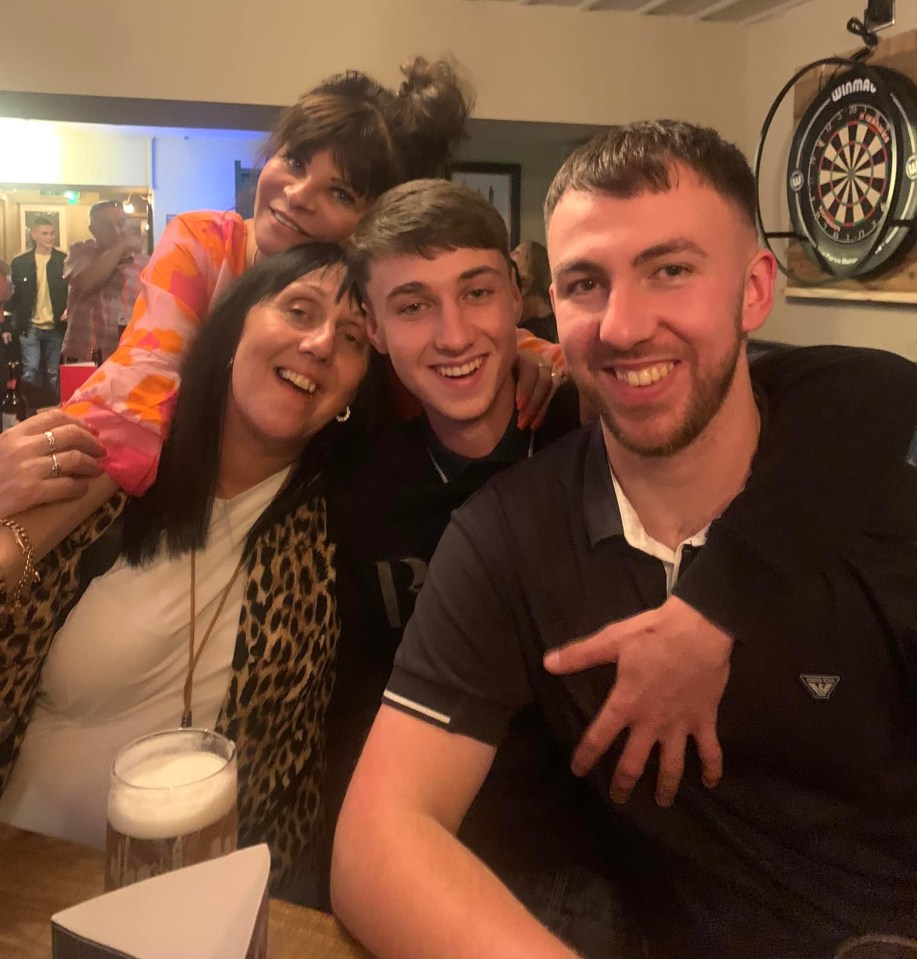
<point x="441" y="302"/>
<point x="805" y="843"/>
<point x="38" y="305"/>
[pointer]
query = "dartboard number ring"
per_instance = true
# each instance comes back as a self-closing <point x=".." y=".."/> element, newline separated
<point x="849" y="173"/>
<point x="849" y="181"/>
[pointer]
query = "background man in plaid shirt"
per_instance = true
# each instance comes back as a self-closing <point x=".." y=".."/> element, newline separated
<point x="104" y="276"/>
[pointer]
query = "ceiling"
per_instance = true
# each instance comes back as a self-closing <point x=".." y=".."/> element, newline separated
<point x="722" y="11"/>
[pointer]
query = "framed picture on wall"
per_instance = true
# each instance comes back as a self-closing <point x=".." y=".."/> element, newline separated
<point x="246" y="183"/>
<point x="500" y="184"/>
<point x="29" y="213"/>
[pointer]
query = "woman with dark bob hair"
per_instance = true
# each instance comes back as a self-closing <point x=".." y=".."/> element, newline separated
<point x="231" y="539"/>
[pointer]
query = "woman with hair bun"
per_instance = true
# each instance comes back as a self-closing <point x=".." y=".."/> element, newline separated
<point x="332" y="153"/>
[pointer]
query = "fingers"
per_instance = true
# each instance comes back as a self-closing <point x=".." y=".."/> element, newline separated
<point x="30" y="438"/>
<point x="527" y="367"/>
<point x="71" y="436"/>
<point x="57" y="491"/>
<point x="536" y="407"/>
<point x="596" y="650"/>
<point x="534" y="389"/>
<point x="601" y="733"/>
<point x="630" y="766"/>
<point x="78" y="463"/>
<point x="22" y="496"/>
<point x="527" y="372"/>
<point x="671" y="767"/>
<point x="710" y="753"/>
<point x="61" y="424"/>
<point x="633" y="761"/>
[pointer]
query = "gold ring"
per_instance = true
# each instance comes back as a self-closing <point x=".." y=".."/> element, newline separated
<point x="55" y="467"/>
<point x="52" y="442"/>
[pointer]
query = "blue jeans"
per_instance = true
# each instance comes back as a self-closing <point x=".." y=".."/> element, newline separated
<point x="40" y="351"/>
<point x="578" y="906"/>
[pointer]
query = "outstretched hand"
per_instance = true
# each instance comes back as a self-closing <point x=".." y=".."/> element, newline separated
<point x="673" y="665"/>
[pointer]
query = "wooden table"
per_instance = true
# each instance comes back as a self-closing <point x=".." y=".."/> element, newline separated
<point x="39" y="876"/>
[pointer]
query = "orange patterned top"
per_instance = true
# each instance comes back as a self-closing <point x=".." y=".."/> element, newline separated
<point x="131" y="398"/>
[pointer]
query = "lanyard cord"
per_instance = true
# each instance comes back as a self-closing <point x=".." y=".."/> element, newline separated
<point x="195" y="655"/>
<point x="445" y="479"/>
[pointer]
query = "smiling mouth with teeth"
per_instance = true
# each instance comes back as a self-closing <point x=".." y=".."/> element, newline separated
<point x="302" y="383"/>
<point x="455" y="372"/>
<point x="287" y="222"/>
<point x="645" y="377"/>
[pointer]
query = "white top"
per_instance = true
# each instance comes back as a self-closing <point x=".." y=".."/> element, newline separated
<point x="116" y="671"/>
<point x="637" y="536"/>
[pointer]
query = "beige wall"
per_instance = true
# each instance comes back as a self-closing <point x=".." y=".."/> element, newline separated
<point x="527" y="62"/>
<point x="777" y="48"/>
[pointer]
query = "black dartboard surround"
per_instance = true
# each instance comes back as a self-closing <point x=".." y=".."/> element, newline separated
<point x="852" y="172"/>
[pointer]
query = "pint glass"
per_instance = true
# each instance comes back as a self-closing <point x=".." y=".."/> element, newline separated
<point x="172" y="803"/>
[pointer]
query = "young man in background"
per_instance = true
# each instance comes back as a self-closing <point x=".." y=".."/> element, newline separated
<point x="38" y="305"/>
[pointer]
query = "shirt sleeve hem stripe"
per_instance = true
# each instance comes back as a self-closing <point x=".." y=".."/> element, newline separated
<point x="417" y="707"/>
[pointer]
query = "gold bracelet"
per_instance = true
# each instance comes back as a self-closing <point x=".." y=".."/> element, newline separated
<point x="29" y="573"/>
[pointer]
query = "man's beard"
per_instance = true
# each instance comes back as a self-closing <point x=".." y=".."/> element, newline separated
<point x="707" y="397"/>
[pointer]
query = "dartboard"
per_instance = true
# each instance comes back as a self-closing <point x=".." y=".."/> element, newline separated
<point x="852" y="172"/>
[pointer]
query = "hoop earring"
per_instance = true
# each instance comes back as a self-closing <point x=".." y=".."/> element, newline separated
<point x="344" y="415"/>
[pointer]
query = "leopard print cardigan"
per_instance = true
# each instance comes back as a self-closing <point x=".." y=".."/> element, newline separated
<point x="283" y="672"/>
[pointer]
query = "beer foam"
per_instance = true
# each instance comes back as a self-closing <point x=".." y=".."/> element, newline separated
<point x="162" y="796"/>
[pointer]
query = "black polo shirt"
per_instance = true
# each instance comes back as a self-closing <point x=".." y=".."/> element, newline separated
<point x="812" y="835"/>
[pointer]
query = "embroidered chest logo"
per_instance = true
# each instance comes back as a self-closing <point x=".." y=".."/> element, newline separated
<point x="819" y="687"/>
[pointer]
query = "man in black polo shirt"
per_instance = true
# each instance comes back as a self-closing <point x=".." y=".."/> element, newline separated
<point x="811" y="837"/>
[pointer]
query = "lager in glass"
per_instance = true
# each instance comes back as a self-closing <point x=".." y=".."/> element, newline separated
<point x="172" y="803"/>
